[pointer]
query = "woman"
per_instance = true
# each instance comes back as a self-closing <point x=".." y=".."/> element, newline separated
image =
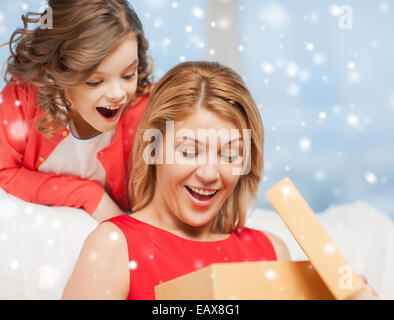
<point x="190" y="188"/>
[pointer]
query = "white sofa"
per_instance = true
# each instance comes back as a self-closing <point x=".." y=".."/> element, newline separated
<point x="39" y="244"/>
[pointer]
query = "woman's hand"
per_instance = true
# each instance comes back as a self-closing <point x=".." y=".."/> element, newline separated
<point x="106" y="209"/>
<point x="366" y="293"/>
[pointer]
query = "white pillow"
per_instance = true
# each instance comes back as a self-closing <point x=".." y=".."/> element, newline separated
<point x="39" y="246"/>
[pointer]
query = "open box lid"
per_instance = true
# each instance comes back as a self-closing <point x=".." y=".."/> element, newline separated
<point x="323" y="254"/>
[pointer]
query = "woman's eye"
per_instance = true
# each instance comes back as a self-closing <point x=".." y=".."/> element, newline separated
<point x="129" y="76"/>
<point x="189" y="154"/>
<point x="230" y="158"/>
<point x="93" y="83"/>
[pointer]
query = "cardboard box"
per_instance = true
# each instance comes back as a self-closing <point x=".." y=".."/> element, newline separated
<point x="326" y="275"/>
<point x="267" y="280"/>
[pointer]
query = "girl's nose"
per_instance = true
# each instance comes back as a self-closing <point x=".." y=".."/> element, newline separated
<point x="116" y="93"/>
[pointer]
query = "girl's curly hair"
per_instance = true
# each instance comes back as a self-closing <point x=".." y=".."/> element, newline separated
<point x="84" y="32"/>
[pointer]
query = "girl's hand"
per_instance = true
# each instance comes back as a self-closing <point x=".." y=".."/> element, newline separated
<point x="106" y="209"/>
<point x="366" y="293"/>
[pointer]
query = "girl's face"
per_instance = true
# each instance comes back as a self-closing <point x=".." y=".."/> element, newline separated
<point x="98" y="104"/>
<point x="196" y="176"/>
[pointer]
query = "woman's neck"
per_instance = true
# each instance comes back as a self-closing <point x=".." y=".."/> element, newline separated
<point x="159" y="215"/>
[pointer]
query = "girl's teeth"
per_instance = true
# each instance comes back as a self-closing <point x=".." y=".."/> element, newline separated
<point x="111" y="108"/>
<point x="202" y="192"/>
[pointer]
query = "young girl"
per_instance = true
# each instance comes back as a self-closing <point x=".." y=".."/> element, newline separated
<point x="68" y="114"/>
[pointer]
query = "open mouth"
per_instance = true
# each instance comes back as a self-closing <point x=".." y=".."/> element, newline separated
<point x="201" y="194"/>
<point x="108" y="112"/>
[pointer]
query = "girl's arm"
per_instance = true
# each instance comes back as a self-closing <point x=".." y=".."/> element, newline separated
<point x="101" y="271"/>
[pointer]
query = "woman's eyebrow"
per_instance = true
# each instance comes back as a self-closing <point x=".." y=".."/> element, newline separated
<point x="183" y="139"/>
<point x="135" y="62"/>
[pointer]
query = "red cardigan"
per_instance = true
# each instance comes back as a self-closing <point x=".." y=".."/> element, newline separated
<point x="23" y="149"/>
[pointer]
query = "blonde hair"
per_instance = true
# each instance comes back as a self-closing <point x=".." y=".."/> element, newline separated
<point x="220" y="90"/>
<point x="84" y="32"/>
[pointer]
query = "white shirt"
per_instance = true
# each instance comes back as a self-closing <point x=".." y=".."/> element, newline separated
<point x="78" y="157"/>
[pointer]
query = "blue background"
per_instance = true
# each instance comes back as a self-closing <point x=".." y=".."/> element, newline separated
<point x="326" y="94"/>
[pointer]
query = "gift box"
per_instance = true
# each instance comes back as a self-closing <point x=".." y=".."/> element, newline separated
<point x="326" y="275"/>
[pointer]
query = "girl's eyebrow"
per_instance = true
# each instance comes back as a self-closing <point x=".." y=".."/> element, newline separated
<point x="135" y="62"/>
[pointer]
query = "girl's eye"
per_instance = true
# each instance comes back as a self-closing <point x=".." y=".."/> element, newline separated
<point x="129" y="76"/>
<point x="93" y="83"/>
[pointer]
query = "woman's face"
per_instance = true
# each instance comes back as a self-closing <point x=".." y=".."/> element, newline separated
<point x="196" y="176"/>
<point x="97" y="104"/>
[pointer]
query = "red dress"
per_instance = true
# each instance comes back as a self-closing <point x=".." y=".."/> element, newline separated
<point x="157" y="255"/>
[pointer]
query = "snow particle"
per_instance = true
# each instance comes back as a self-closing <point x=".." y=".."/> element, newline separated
<point x="270" y="274"/>
<point x="292" y="69"/>
<point x="114" y="235"/>
<point x="352" y="120"/>
<point x="188" y="28"/>
<point x="310" y="46"/>
<point x="158" y="23"/>
<point x="354" y="76"/>
<point x="319" y="59"/>
<point x="223" y="23"/>
<point x="335" y="10"/>
<point x="267" y="67"/>
<point x="14" y="264"/>
<point x="293" y="90"/>
<point x="133" y="265"/>
<point x="319" y="175"/>
<point x="351" y="65"/>
<point x="384" y="6"/>
<point x="371" y="178"/>
<point x="329" y="248"/>
<point x="198" y="13"/>
<point x="274" y="15"/>
<point x="304" y="144"/>
<point x="285" y="190"/>
<point x="322" y="115"/>
<point x="198" y="264"/>
<point x="56" y="222"/>
<point x="18" y="130"/>
<point x="304" y="75"/>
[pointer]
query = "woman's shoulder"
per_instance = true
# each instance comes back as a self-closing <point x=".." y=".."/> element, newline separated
<point x="106" y="237"/>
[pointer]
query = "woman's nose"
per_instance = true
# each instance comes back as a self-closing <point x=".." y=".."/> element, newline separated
<point x="208" y="173"/>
